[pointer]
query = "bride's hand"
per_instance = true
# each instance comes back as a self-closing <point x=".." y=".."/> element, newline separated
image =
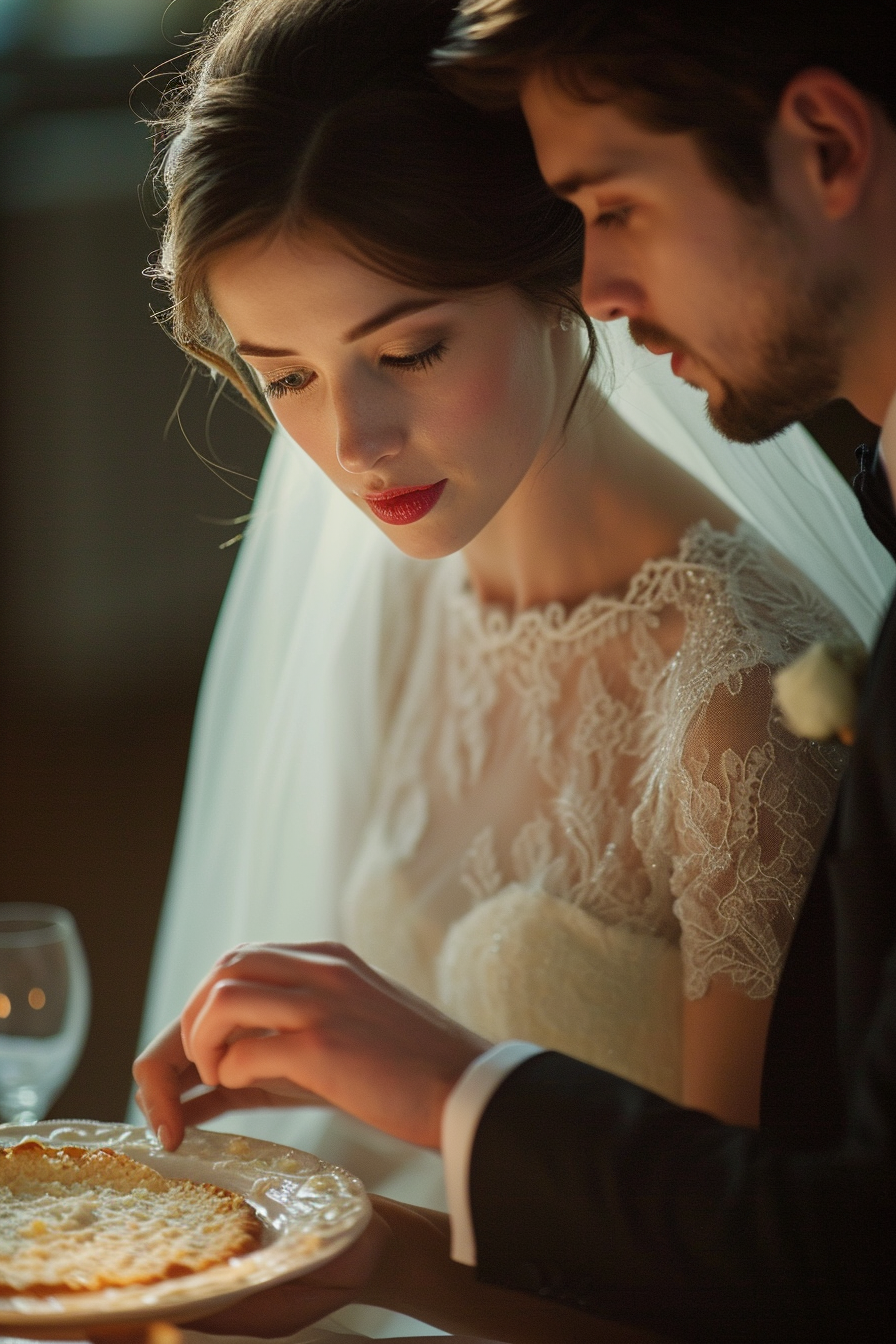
<point x="288" y="1307"/>
<point x="317" y="1016"/>
<point x="165" y="1078"/>
<point x="401" y="1262"/>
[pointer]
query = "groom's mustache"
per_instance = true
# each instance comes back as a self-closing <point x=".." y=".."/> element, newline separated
<point x="650" y="335"/>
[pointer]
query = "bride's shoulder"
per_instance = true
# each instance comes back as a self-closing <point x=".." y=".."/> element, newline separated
<point x="763" y="591"/>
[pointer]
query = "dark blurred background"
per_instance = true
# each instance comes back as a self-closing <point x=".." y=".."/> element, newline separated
<point x="112" y="571"/>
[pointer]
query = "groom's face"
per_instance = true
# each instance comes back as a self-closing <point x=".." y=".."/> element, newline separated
<point x="739" y="294"/>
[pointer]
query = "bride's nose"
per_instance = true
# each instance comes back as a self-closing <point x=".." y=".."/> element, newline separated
<point x="367" y="432"/>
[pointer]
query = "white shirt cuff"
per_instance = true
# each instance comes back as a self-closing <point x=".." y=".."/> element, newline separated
<point x="460" y="1120"/>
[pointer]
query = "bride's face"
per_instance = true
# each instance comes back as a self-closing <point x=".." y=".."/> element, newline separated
<point x="427" y="411"/>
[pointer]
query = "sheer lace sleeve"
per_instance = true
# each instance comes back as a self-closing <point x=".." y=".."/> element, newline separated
<point x="749" y="808"/>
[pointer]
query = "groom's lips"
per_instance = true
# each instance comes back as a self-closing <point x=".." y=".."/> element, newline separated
<point x="660" y="347"/>
<point x="405" y="504"/>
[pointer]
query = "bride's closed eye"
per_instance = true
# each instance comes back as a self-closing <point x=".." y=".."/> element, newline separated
<point x="419" y="359"/>
<point x="298" y="380"/>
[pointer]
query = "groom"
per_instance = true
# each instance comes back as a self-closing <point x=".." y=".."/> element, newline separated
<point x="737" y="173"/>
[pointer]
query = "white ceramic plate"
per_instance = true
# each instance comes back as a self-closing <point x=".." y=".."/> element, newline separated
<point x="311" y="1212"/>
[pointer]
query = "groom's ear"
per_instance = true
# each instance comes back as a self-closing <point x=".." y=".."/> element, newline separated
<point x="825" y="130"/>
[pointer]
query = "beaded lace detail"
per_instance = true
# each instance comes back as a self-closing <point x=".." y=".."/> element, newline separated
<point x="624" y="758"/>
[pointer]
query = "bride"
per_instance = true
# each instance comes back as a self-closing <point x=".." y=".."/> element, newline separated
<point x="490" y="697"/>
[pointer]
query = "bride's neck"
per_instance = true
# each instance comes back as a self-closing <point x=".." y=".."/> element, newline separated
<point x="590" y="511"/>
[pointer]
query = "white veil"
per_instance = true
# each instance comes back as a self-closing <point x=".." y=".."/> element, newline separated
<point x="313" y="626"/>
<point x="286" y="731"/>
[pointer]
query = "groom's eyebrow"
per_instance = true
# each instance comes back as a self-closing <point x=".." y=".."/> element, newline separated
<point x="569" y="186"/>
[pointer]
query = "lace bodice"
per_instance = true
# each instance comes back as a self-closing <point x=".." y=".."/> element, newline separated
<point x="616" y="772"/>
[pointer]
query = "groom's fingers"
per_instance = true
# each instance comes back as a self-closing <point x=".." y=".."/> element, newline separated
<point x="163" y="1073"/>
<point x="217" y="1100"/>
<point x="318" y="1015"/>
<point x="237" y="1007"/>
<point x="288" y="963"/>
<point x="250" y="1062"/>
<point x="315" y="965"/>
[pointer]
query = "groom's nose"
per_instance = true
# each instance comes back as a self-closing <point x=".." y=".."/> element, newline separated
<point x="608" y="299"/>
<point x="606" y="293"/>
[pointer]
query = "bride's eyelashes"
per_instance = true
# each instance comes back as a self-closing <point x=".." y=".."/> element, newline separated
<point x="298" y="380"/>
<point x="420" y="359"/>
<point x="288" y="383"/>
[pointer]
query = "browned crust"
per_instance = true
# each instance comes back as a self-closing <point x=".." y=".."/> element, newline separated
<point x="186" y="1213"/>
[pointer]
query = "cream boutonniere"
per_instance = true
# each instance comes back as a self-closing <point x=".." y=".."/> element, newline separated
<point x="819" y="693"/>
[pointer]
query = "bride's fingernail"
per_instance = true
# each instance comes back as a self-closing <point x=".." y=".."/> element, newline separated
<point x="163" y="1134"/>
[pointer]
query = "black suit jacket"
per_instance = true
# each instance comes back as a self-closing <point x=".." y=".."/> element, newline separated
<point x="592" y="1191"/>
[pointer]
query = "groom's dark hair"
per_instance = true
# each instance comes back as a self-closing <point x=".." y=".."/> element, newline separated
<point x="715" y="70"/>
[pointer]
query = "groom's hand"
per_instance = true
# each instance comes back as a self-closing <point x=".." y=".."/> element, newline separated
<point x="171" y="1094"/>
<point x="314" y="1017"/>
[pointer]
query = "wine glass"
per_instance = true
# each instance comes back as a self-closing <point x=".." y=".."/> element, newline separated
<point x="44" y="1007"/>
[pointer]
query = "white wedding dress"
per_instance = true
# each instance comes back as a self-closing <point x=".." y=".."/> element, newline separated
<point x="581" y="817"/>
<point x="555" y="826"/>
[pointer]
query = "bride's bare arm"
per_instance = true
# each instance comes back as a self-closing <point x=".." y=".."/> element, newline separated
<point x="418" y="1277"/>
<point x="722" y="1050"/>
<point x="403" y="1264"/>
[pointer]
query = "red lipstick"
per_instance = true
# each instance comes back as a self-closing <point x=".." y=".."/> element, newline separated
<point x="407" y="504"/>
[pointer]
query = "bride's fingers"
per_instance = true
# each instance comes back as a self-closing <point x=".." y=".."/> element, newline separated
<point x="288" y="1307"/>
<point x="278" y="1311"/>
<point x="233" y="1006"/>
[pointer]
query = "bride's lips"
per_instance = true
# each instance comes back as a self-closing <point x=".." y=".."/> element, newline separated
<point x="407" y="504"/>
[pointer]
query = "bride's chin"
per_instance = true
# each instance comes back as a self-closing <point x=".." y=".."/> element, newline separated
<point x="426" y="540"/>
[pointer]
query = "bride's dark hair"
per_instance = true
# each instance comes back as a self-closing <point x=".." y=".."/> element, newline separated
<point x="308" y="112"/>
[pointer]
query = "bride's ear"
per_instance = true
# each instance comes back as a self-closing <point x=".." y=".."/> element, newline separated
<point x="826" y="130"/>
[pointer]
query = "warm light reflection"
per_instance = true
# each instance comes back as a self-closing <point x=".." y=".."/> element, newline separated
<point x="36" y="997"/>
<point x="5" y="1005"/>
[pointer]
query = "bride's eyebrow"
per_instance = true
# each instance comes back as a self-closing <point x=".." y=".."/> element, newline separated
<point x="263" y="351"/>
<point x="391" y="314"/>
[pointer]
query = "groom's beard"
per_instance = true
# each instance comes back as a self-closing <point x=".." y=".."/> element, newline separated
<point x="797" y="362"/>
